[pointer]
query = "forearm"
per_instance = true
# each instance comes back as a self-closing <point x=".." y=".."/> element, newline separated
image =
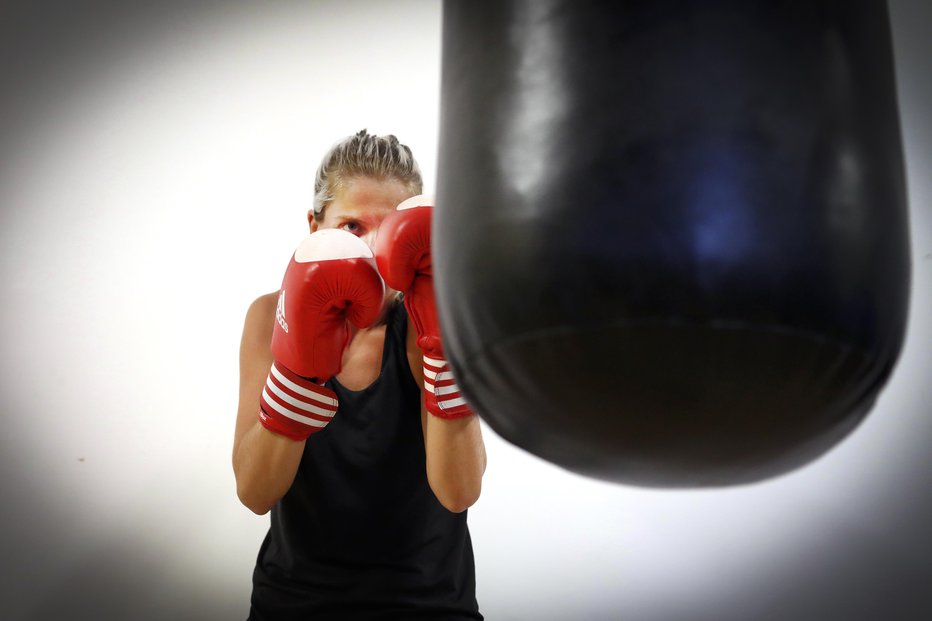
<point x="265" y="465"/>
<point x="455" y="460"/>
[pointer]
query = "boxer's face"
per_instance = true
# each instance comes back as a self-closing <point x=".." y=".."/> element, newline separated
<point x="360" y="204"/>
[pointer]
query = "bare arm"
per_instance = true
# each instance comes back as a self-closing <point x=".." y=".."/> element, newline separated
<point x="264" y="463"/>
<point x="455" y="451"/>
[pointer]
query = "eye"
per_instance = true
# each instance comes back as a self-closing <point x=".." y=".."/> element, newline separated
<point x="351" y="227"/>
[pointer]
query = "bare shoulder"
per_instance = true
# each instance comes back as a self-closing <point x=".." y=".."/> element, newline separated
<point x="257" y="330"/>
<point x="255" y="355"/>
<point x="255" y="358"/>
<point x="264" y="305"/>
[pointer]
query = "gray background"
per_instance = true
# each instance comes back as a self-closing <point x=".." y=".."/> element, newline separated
<point x="156" y="163"/>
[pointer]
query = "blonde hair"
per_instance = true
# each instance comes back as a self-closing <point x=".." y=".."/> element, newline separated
<point x="364" y="155"/>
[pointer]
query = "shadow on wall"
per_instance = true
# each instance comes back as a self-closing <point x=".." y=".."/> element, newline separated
<point x="111" y="580"/>
<point x="56" y="568"/>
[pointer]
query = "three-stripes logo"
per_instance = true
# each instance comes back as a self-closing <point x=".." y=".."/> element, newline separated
<point x="280" y="312"/>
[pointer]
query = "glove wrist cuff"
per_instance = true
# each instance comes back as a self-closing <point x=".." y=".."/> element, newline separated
<point x="442" y="395"/>
<point x="295" y="406"/>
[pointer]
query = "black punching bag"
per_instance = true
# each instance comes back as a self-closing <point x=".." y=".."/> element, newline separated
<point x="670" y="240"/>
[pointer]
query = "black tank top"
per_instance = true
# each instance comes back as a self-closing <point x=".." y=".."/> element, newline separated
<point x="360" y="534"/>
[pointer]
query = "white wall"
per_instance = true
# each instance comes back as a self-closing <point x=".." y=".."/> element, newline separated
<point x="156" y="167"/>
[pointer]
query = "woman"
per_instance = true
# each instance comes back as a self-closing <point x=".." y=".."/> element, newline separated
<point x="369" y="514"/>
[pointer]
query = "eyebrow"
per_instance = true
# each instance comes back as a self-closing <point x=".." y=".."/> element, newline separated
<point x="352" y="217"/>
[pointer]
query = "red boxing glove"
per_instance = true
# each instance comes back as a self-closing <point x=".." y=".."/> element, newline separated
<point x="330" y="282"/>
<point x="402" y="252"/>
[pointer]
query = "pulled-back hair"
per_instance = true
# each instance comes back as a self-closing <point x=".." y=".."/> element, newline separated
<point x="364" y="155"/>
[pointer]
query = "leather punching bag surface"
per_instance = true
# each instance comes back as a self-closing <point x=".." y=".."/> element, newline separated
<point x="670" y="241"/>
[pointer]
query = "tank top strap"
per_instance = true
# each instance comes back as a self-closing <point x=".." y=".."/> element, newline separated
<point x="396" y="334"/>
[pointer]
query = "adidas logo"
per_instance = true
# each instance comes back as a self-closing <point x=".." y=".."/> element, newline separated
<point x="280" y="311"/>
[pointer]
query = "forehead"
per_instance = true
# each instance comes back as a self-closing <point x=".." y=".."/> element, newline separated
<point x="361" y="196"/>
